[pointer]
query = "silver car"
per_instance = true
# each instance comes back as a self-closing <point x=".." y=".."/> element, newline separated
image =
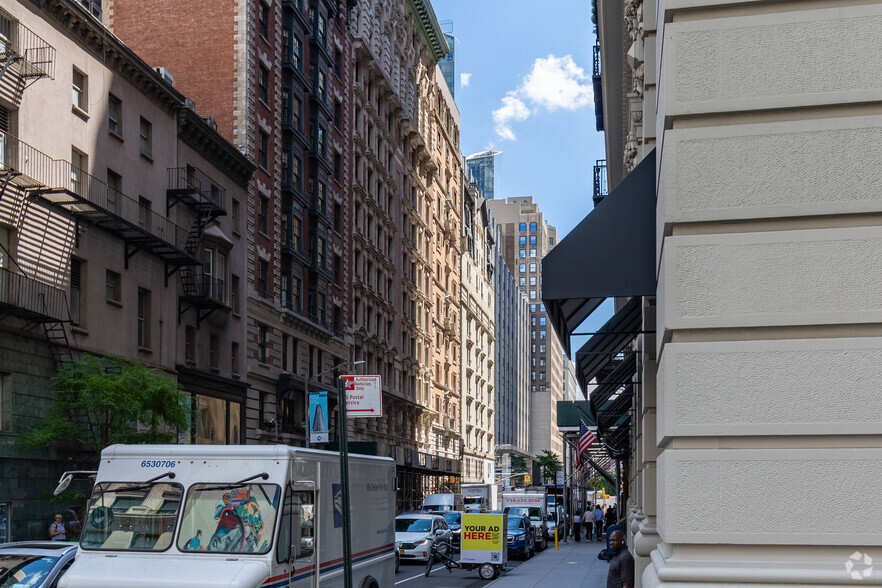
<point x="417" y="532"/>
<point x="35" y="564"/>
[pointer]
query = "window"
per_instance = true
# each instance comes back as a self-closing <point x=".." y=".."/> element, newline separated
<point x="522" y="254"/>
<point x="338" y="63"/>
<point x="263" y="150"/>
<point x="542" y="320"/>
<point x="320" y="252"/>
<point x="234" y="294"/>
<point x="143" y="318"/>
<point x="262" y="213"/>
<point x="78" y="163"/>
<point x="532" y="239"/>
<point x="114" y="115"/>
<point x="234" y="214"/>
<point x="262" y="273"/>
<point x="532" y="267"/>
<point x="296" y="243"/>
<point x="522" y="267"/>
<point x="321" y="86"/>
<point x="296" y="52"/>
<point x="234" y="357"/>
<point x="112" y="288"/>
<point x="263" y="82"/>
<point x="320" y="198"/>
<point x="263" y="15"/>
<point x="321" y="30"/>
<point x="296" y="167"/>
<point x="320" y="141"/>
<point x="542" y="334"/>
<point x="523" y="240"/>
<point x="77" y="267"/>
<point x="146" y="137"/>
<point x="532" y="226"/>
<point x="338" y="113"/>
<point x="261" y="343"/>
<point x="213" y="343"/>
<point x="532" y="280"/>
<point x="522" y="281"/>
<point x="338" y="166"/>
<point x="114" y="190"/>
<point x="532" y="253"/>
<point x="542" y="307"/>
<point x="190" y="344"/>
<point x="144" y="213"/>
<point x="532" y="308"/>
<point x="542" y="348"/>
<point x="80" y="91"/>
<point x="296" y="293"/>
<point x="523" y="226"/>
<point x="321" y="310"/>
<point x="532" y="294"/>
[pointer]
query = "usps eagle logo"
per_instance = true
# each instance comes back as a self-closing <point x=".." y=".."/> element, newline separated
<point x="859" y="565"/>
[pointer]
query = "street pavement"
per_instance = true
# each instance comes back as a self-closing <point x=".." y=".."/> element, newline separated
<point x="573" y="565"/>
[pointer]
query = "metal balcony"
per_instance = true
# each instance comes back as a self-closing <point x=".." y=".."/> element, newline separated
<point x="600" y="187"/>
<point x="24" y="58"/>
<point x="597" y="82"/>
<point x="31" y="300"/>
<point x="202" y="293"/>
<point x="194" y="188"/>
<point x="69" y="189"/>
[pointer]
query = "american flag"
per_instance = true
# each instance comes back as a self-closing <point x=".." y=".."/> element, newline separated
<point x="586" y="438"/>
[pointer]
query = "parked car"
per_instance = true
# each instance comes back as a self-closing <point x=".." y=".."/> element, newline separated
<point x="417" y="532"/>
<point x="454" y="523"/>
<point x="521" y="537"/>
<point x="35" y="564"/>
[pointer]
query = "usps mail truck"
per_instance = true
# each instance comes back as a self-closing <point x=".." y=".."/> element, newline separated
<point x="242" y="516"/>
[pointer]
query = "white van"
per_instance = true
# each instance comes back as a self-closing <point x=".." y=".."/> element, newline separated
<point x="244" y="516"/>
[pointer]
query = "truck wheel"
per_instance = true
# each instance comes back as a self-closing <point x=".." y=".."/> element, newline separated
<point x="487" y="571"/>
<point x="370" y="582"/>
<point x="541" y="543"/>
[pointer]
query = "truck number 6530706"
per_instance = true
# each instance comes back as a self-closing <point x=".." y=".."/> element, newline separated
<point x="147" y="463"/>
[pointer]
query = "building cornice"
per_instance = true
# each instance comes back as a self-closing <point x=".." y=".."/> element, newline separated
<point x="428" y="27"/>
<point x="205" y="140"/>
<point x="112" y="52"/>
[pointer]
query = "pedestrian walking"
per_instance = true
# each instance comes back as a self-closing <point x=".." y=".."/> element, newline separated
<point x="577" y="526"/>
<point x="57" y="532"/>
<point x="610" y="516"/>
<point x="598" y="522"/>
<point x="621" y="566"/>
<point x="588" y="523"/>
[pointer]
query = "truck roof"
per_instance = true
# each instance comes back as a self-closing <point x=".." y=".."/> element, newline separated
<point x="223" y="452"/>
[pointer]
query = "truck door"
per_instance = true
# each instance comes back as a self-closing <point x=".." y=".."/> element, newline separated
<point x="298" y="546"/>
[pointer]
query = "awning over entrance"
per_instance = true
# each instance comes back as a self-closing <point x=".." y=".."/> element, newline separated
<point x="611" y="253"/>
<point x="597" y="355"/>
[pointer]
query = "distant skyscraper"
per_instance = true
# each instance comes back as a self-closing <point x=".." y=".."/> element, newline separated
<point x="481" y="168"/>
<point x="448" y="64"/>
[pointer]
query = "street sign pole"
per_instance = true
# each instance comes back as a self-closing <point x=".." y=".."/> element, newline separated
<point x="342" y="423"/>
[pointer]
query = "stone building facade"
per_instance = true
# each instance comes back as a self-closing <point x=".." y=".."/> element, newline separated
<point x="117" y="237"/>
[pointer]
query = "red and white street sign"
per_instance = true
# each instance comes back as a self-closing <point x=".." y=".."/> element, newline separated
<point x="364" y="397"/>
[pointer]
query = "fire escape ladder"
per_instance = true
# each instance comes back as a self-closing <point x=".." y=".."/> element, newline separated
<point x="25" y="56"/>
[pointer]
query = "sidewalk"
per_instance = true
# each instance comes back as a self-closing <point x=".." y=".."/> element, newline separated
<point x="573" y="565"/>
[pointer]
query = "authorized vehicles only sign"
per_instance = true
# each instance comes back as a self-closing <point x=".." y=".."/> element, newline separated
<point x="484" y="538"/>
<point x="363" y="396"/>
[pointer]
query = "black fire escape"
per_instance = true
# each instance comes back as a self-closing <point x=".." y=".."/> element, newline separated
<point x="601" y="189"/>
<point x="195" y="190"/>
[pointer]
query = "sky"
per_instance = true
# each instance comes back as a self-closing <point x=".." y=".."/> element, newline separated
<point x="523" y="87"/>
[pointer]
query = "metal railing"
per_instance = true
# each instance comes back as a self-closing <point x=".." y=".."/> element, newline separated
<point x="92" y="196"/>
<point x="191" y="178"/>
<point x="34" y="57"/>
<point x="597" y="59"/>
<point x="600" y="186"/>
<point x="36" y="298"/>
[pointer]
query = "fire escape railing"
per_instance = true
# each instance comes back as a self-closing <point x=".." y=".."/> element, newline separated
<point x="25" y="54"/>
<point x="600" y="187"/>
<point x="31" y="299"/>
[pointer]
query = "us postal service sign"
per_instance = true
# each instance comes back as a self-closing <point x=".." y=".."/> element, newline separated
<point x="484" y="538"/>
<point x="364" y="396"/>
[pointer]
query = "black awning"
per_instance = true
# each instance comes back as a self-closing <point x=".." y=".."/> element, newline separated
<point x="597" y="354"/>
<point x="611" y="253"/>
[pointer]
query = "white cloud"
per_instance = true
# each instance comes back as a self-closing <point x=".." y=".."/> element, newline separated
<point x="512" y="109"/>
<point x="464" y="79"/>
<point x="553" y="83"/>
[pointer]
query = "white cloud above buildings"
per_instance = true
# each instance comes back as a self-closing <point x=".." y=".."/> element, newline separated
<point x="464" y="79"/>
<point x="553" y="83"/>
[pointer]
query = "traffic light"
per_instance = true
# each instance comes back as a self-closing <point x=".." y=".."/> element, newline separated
<point x="526" y="479"/>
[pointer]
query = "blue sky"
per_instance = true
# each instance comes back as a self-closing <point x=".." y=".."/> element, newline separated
<point x="531" y="65"/>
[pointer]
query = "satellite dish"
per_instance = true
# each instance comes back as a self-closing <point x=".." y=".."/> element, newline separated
<point x="63" y="484"/>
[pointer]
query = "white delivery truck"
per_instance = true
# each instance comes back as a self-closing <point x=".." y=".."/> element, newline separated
<point x="479" y="497"/>
<point x="533" y="506"/>
<point x="240" y="516"/>
<point x="442" y="503"/>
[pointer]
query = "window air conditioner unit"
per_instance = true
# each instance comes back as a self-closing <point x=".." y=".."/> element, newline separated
<point x="166" y="75"/>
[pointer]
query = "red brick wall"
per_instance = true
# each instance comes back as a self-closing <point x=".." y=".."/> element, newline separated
<point x="193" y="39"/>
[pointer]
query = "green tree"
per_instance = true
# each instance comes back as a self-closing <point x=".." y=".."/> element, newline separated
<point x="102" y="401"/>
<point x="550" y="463"/>
<point x="519" y="464"/>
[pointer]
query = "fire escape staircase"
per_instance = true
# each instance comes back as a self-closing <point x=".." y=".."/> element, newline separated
<point x="24" y="58"/>
<point x="195" y="190"/>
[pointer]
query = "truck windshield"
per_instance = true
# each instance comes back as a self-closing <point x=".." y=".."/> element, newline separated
<point x="132" y="517"/>
<point x="229" y="519"/>
<point x="528" y="511"/>
<point x="437" y="507"/>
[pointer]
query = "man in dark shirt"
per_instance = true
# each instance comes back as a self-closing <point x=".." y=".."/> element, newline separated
<point x="621" y="566"/>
